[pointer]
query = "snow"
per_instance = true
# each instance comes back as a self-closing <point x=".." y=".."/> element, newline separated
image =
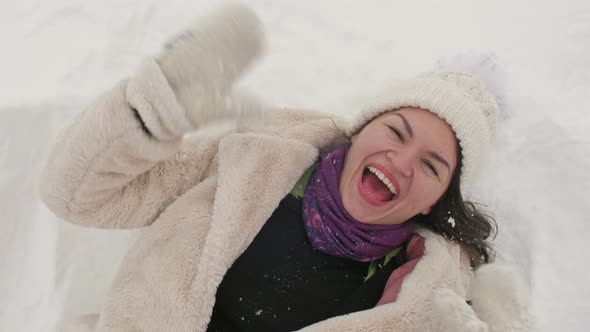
<point x="451" y="221"/>
<point x="330" y="55"/>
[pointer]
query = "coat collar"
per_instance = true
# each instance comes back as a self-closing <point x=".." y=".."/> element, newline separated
<point x="256" y="170"/>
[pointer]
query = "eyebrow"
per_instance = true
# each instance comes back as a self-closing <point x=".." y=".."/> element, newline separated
<point x="406" y="124"/>
<point x="442" y="160"/>
<point x="434" y="155"/>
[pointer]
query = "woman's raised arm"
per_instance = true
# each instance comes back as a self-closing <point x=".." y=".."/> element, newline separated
<point x="122" y="160"/>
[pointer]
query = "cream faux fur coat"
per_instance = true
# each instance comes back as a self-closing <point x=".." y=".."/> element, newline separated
<point x="202" y="197"/>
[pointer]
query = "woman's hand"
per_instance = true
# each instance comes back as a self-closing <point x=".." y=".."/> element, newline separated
<point x="499" y="303"/>
<point x="202" y="63"/>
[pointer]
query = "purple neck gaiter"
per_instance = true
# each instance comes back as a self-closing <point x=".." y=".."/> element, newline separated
<point x="331" y="229"/>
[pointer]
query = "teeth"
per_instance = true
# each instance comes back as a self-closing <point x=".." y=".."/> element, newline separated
<point x="383" y="179"/>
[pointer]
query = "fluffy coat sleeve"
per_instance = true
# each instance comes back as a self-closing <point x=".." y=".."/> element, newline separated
<point x="122" y="160"/>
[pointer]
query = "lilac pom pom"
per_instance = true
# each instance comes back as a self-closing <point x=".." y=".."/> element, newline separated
<point x="484" y="66"/>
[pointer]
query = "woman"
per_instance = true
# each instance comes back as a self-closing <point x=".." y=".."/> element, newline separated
<point x="292" y="224"/>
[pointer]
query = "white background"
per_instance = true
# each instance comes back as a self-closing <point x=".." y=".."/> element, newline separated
<point x="330" y="55"/>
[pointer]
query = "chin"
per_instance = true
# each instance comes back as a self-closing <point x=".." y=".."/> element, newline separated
<point x="360" y="216"/>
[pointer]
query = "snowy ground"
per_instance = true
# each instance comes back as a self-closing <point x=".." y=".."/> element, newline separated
<point x="330" y="55"/>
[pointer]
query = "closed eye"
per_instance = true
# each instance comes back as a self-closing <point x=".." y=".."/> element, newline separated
<point x="397" y="133"/>
<point x="431" y="167"/>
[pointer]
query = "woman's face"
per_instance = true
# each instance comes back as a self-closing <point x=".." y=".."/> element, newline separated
<point x="415" y="154"/>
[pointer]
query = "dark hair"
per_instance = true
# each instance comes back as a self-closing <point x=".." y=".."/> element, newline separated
<point x="461" y="221"/>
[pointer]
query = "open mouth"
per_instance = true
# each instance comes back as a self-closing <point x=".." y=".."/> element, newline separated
<point x="376" y="186"/>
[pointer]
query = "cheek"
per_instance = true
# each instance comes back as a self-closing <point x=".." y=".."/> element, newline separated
<point x="424" y="193"/>
<point x="358" y="151"/>
<point x="368" y="145"/>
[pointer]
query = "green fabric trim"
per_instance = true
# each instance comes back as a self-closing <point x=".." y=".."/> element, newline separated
<point x="376" y="266"/>
<point x="299" y="189"/>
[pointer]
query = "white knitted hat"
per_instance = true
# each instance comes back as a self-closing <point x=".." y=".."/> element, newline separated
<point x="458" y="95"/>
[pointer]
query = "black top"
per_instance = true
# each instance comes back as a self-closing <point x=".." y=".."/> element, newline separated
<point x="280" y="283"/>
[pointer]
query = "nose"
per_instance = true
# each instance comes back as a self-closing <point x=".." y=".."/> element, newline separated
<point x="403" y="161"/>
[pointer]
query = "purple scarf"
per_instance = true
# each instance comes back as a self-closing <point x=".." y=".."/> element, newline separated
<point x="331" y="229"/>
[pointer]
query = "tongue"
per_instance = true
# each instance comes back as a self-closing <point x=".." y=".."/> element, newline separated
<point x="376" y="187"/>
